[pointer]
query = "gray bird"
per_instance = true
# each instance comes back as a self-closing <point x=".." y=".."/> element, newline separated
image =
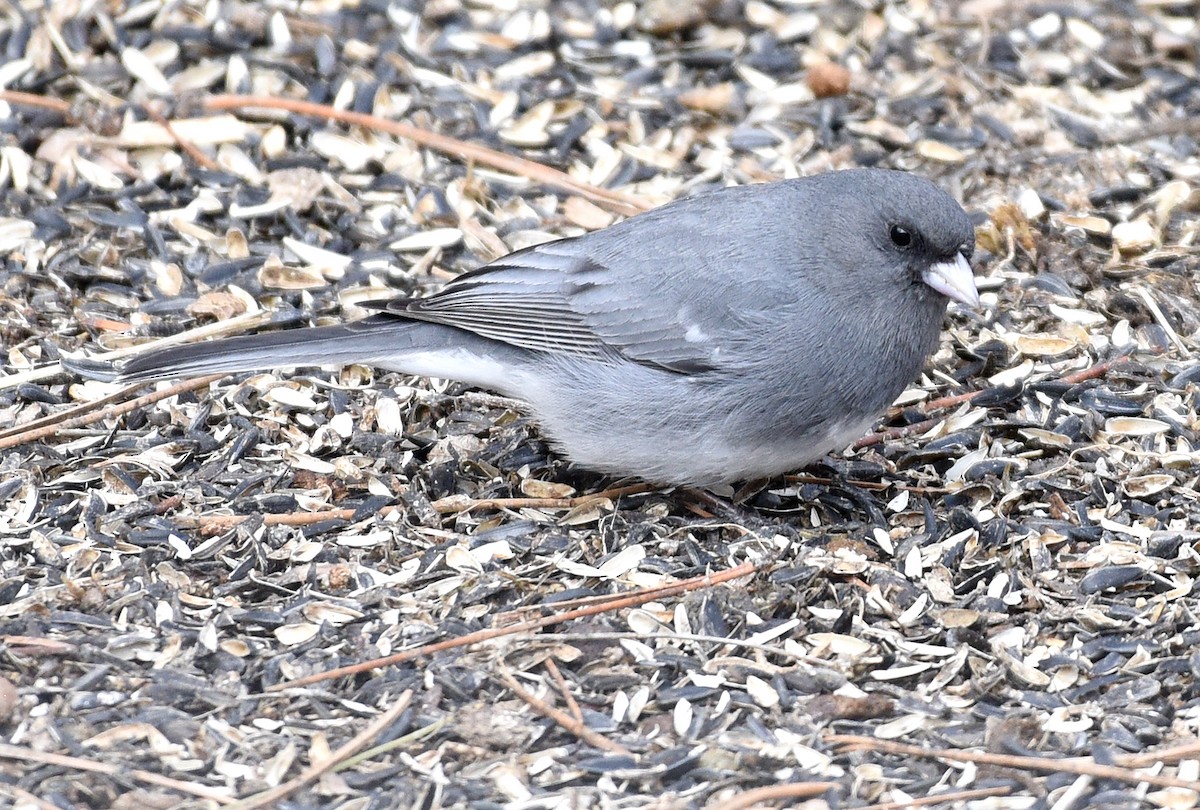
<point x="732" y="335"/>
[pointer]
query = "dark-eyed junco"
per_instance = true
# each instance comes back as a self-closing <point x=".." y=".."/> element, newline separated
<point x="731" y="335"/>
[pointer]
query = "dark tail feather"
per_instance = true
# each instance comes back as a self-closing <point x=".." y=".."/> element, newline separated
<point x="319" y="346"/>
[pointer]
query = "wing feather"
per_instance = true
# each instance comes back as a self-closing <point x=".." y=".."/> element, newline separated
<point x="556" y="298"/>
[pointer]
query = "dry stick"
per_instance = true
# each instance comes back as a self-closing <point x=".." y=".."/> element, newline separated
<point x="721" y="641"/>
<point x="952" y="796"/>
<point x="218" y="523"/>
<point x="1089" y="373"/>
<point x="946" y="403"/>
<point x="1047" y="764"/>
<point x="1160" y="129"/>
<point x="621" y="203"/>
<point x="116" y="410"/>
<point x="57" y="105"/>
<point x="314" y="772"/>
<point x="1074" y="378"/>
<point x="565" y="720"/>
<point x="511" y="616"/>
<point x="514" y="615"/>
<point x="416" y="735"/>
<point x="1098" y="370"/>
<point x="65" y="415"/>
<point x="618" y="603"/>
<point x="792" y="790"/>
<point x="235" y="324"/>
<point x="1164" y="755"/>
<point x="34" y="100"/>
<point x="453" y="505"/>
<point x="561" y="683"/>
<point x="879" y="486"/>
<point x="27" y="797"/>
<point x="202" y="160"/>
<point x="104" y="324"/>
<point x="902" y="432"/>
<point x="76" y="763"/>
<point x="31" y="645"/>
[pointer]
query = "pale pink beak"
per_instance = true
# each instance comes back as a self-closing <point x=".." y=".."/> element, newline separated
<point x="954" y="279"/>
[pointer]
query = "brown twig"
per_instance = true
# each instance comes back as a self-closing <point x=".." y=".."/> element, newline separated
<point x="569" y="723"/>
<point x="16" y="752"/>
<point x="470" y="152"/>
<point x="63" y="415"/>
<point x="800" y="478"/>
<point x="791" y="790"/>
<point x="1164" y="755"/>
<point x="458" y="505"/>
<point x="510" y="616"/>
<point x="31" y="645"/>
<point x="946" y="798"/>
<point x="615" y="201"/>
<point x="232" y="325"/>
<point x="383" y="748"/>
<point x="617" y="603"/>
<point x="103" y="323"/>
<point x="1087" y="767"/>
<point x="34" y="100"/>
<point x="724" y="642"/>
<point x="1159" y="129"/>
<point x="1098" y="370"/>
<point x="193" y="152"/>
<point x="214" y="524"/>
<point x="944" y="403"/>
<point x="27" y="797"/>
<point x="898" y="432"/>
<point x="564" y="688"/>
<point x="314" y="771"/>
<point x="27" y="434"/>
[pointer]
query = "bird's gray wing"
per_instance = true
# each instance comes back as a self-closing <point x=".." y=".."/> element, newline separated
<point x="561" y="297"/>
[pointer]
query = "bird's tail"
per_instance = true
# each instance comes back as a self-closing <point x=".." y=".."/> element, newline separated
<point x="320" y="346"/>
<point x="385" y="341"/>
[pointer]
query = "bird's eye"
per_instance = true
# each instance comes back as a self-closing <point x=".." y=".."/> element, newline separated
<point x="901" y="238"/>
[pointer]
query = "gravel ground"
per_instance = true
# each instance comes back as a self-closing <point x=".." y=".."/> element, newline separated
<point x="218" y="593"/>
